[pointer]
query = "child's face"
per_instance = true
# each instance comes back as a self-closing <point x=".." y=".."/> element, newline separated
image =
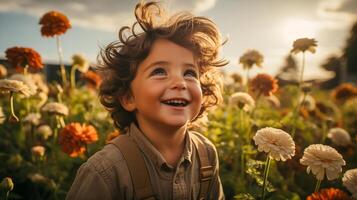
<point x="166" y="90"/>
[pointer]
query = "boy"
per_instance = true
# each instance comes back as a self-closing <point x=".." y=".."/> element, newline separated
<point x="155" y="84"/>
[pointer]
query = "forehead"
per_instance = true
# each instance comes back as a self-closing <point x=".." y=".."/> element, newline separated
<point x="167" y="51"/>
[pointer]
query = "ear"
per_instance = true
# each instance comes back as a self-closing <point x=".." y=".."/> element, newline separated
<point x="127" y="101"/>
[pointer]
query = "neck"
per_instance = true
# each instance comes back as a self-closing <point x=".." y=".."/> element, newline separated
<point x="169" y="141"/>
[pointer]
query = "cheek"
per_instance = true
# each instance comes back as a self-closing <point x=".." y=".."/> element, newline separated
<point x="197" y="94"/>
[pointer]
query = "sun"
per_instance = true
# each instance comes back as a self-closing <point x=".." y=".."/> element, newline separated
<point x="298" y="28"/>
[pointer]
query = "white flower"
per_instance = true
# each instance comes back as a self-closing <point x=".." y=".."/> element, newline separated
<point x="33" y="118"/>
<point x="304" y="44"/>
<point x="349" y="180"/>
<point x="339" y="137"/>
<point x="81" y="62"/>
<point x="3" y="71"/>
<point x="42" y="98"/>
<point x="251" y="57"/>
<point x="55" y="108"/>
<point x="27" y="80"/>
<point x="40" y="83"/>
<point x="309" y="102"/>
<point x="44" y="131"/>
<point x="38" y="151"/>
<point x="2" y="116"/>
<point x="276" y="142"/>
<point x="242" y="100"/>
<point x="7" y="86"/>
<point x="37" y="178"/>
<point x="321" y="158"/>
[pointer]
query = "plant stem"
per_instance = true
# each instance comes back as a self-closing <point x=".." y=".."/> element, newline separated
<point x="302" y="71"/>
<point x="241" y="121"/>
<point x="242" y="163"/>
<point x="256" y="103"/>
<point x="59" y="97"/>
<point x="61" y="120"/>
<point x="55" y="131"/>
<point x="12" y="107"/>
<point x="266" y="173"/>
<point x="32" y="138"/>
<point x="60" y="57"/>
<point x="87" y="153"/>
<point x="73" y="76"/>
<point x="324" y="130"/>
<point x="26" y="69"/>
<point x="318" y="183"/>
<point x="295" y="114"/>
<point x="247" y="83"/>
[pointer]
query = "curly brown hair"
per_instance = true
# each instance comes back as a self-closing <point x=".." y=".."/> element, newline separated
<point x="119" y="61"/>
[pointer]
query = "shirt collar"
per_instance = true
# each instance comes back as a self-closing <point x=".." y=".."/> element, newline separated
<point x="150" y="151"/>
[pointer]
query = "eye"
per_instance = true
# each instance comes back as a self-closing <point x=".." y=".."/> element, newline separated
<point x="158" y="72"/>
<point x="191" y="73"/>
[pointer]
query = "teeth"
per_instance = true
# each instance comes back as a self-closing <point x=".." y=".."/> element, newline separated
<point x="176" y="102"/>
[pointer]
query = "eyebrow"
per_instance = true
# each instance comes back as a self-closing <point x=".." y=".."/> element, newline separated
<point x="167" y="63"/>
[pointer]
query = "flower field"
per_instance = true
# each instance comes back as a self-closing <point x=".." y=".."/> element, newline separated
<point x="292" y="141"/>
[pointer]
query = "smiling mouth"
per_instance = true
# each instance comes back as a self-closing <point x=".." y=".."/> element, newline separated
<point x="176" y="102"/>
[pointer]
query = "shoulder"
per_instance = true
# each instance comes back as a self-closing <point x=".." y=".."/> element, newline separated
<point x="211" y="149"/>
<point x="108" y="157"/>
<point x="103" y="176"/>
<point x="109" y="165"/>
<point x="203" y="139"/>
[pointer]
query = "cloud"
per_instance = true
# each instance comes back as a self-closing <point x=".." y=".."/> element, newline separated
<point x="196" y="6"/>
<point x="337" y="14"/>
<point x="346" y="6"/>
<point x="107" y="15"/>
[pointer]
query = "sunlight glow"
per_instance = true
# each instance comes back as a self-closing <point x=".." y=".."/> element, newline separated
<point x="298" y="28"/>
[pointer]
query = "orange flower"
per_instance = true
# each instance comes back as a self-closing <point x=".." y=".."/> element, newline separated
<point x="74" y="136"/>
<point x="329" y="194"/>
<point x="19" y="57"/>
<point x="264" y="84"/>
<point x="89" y="134"/>
<point x="92" y="78"/>
<point x="112" y="135"/>
<point x="344" y="92"/>
<point x="54" y="23"/>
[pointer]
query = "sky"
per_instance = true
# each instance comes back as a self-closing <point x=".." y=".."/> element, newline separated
<point x="269" y="26"/>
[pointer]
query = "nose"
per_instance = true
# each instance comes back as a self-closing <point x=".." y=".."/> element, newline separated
<point x="178" y="83"/>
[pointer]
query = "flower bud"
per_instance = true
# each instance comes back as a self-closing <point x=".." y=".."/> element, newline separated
<point x="3" y="71"/>
<point x="38" y="151"/>
<point x="7" y="184"/>
<point x="44" y="131"/>
<point x="37" y="178"/>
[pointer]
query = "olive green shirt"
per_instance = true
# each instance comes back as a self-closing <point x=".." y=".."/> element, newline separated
<point x="106" y="176"/>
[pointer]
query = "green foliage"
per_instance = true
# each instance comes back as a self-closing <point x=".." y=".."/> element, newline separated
<point x="50" y="176"/>
<point x="242" y="166"/>
<point x="231" y="130"/>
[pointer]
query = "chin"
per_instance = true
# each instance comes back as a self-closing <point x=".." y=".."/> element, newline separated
<point x="176" y="123"/>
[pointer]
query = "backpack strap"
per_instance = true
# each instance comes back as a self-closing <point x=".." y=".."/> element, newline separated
<point x="137" y="167"/>
<point x="206" y="169"/>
